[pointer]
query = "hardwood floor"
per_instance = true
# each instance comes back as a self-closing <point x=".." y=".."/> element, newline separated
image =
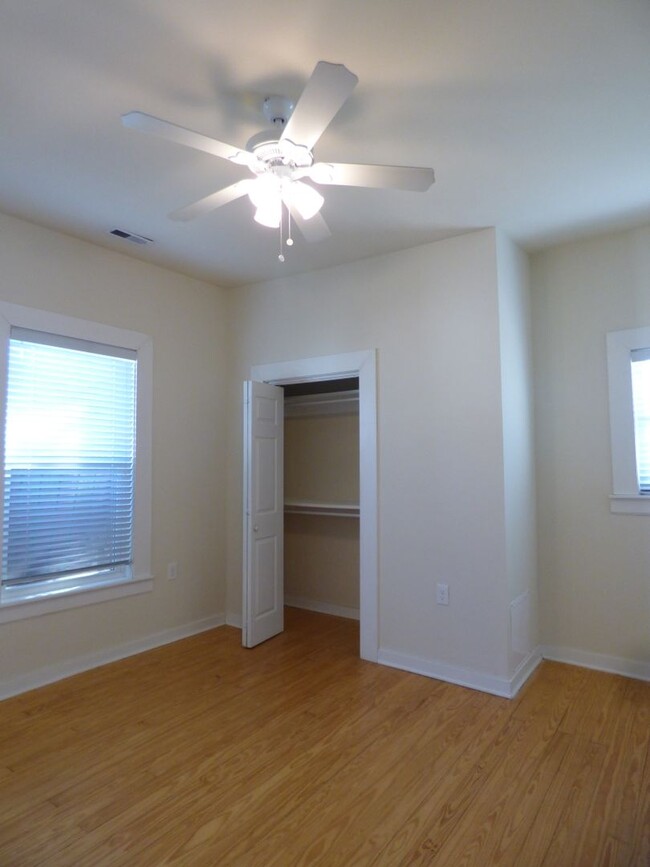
<point x="296" y="752"/>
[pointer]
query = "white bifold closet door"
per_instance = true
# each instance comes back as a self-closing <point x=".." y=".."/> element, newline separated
<point x="263" y="572"/>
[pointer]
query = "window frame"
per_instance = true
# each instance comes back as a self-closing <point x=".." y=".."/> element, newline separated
<point x="15" y="606"/>
<point x="625" y="498"/>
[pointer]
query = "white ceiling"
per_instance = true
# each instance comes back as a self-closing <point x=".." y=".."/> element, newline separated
<point x="535" y="116"/>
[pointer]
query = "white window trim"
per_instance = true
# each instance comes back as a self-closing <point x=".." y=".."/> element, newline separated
<point x="141" y="580"/>
<point x="625" y="498"/>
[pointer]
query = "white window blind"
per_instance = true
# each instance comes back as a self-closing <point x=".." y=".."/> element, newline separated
<point x="640" y="360"/>
<point x="69" y="459"/>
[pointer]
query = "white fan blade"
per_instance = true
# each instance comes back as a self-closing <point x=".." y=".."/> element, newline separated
<point x="359" y="175"/>
<point x="213" y="201"/>
<point x="170" y="131"/>
<point x="324" y="94"/>
<point x="314" y="229"/>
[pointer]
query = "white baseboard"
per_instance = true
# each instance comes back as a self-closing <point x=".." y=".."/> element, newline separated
<point x="509" y="687"/>
<point x="599" y="661"/>
<point x="443" y="671"/>
<point x="524" y="671"/>
<point x="233" y="620"/>
<point x="52" y="673"/>
<point x="321" y="607"/>
<point x="501" y="686"/>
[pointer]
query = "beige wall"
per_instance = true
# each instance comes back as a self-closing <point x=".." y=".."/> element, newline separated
<point x="594" y="566"/>
<point x="432" y="313"/>
<point x="321" y="553"/>
<point x="321" y="561"/>
<point x="447" y="320"/>
<point x="321" y="458"/>
<point x="185" y="318"/>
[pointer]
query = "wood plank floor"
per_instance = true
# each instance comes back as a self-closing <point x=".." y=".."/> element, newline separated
<point x="298" y="753"/>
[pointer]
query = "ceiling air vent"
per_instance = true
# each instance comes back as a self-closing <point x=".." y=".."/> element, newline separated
<point x="131" y="237"/>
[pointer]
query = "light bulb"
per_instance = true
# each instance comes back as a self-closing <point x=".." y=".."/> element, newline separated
<point x="265" y="191"/>
<point x="269" y="214"/>
<point x="305" y="199"/>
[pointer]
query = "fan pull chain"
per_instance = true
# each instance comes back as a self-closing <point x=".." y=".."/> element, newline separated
<point x="289" y="238"/>
<point x="281" y="256"/>
<point x="289" y="241"/>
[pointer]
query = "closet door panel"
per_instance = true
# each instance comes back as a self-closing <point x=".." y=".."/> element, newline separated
<point x="263" y="574"/>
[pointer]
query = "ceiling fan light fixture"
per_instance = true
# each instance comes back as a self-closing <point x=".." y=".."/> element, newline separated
<point x="265" y="190"/>
<point x="269" y="214"/>
<point x="305" y="199"/>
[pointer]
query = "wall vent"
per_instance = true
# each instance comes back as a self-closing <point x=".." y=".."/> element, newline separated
<point x="131" y="237"/>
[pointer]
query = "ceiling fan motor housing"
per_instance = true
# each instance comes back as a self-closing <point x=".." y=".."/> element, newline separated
<point x="277" y="110"/>
<point x="273" y="152"/>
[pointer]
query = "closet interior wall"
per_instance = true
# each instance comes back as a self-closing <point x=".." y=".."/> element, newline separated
<point x="321" y="483"/>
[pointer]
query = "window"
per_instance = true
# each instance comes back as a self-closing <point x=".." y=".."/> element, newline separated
<point x="76" y="477"/>
<point x="628" y="359"/>
<point x="640" y="369"/>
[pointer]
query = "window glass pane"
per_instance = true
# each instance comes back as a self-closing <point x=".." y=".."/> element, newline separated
<point x="641" y="399"/>
<point x="69" y="461"/>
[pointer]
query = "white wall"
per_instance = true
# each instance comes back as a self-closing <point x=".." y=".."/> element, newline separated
<point x="594" y="566"/>
<point x="51" y="271"/>
<point x="432" y="312"/>
<point x="518" y="448"/>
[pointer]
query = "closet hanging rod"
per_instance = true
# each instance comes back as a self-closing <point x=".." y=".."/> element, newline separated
<point x="333" y="403"/>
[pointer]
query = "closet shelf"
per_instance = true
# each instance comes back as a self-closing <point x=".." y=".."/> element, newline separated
<point x="310" y="507"/>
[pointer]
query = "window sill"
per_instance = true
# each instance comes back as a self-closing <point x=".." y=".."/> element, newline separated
<point x="19" y="609"/>
<point x="629" y="504"/>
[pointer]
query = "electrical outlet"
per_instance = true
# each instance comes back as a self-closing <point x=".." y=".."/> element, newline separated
<point x="172" y="571"/>
<point x="442" y="594"/>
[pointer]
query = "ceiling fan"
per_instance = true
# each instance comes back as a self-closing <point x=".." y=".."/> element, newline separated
<point x="281" y="159"/>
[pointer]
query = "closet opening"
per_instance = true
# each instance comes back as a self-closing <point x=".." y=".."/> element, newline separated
<point x="321" y="499"/>
<point x="263" y="514"/>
